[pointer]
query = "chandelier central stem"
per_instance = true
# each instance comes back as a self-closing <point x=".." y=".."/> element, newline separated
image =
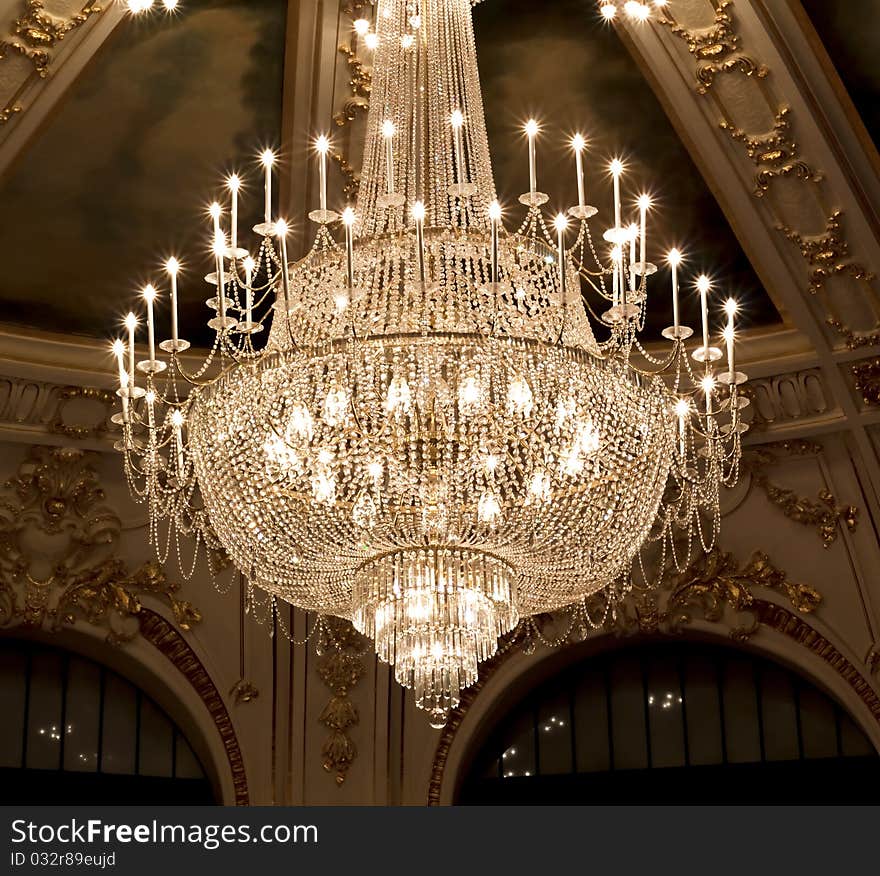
<point x="426" y="128"/>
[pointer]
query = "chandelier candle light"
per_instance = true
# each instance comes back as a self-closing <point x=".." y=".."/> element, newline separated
<point x="430" y="439"/>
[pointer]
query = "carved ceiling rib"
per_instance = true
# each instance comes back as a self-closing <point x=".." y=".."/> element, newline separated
<point x="796" y="189"/>
<point x="43" y="49"/>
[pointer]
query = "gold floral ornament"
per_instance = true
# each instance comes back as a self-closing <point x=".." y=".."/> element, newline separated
<point x="341" y="668"/>
<point x="709" y="586"/>
<point x="823" y="513"/>
<point x="58" y="539"/>
<point x="36" y="31"/>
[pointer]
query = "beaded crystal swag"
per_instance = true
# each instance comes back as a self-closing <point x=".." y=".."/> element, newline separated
<point x="431" y="441"/>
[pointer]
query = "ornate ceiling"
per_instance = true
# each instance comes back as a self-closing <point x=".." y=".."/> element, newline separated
<point x="123" y="166"/>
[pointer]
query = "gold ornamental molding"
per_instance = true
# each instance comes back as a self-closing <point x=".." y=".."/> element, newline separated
<point x="825" y="514"/>
<point x="777" y="154"/>
<point x="34" y="34"/>
<point x="58" y="563"/>
<point x="357" y="102"/>
<point x="341" y="666"/>
<point x="163" y="636"/>
<point x="705" y="590"/>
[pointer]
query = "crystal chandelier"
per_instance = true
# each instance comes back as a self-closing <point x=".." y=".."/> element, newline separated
<point x="415" y="426"/>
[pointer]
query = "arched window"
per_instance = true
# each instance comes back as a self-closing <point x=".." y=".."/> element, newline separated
<point x="673" y="723"/>
<point x="75" y="732"/>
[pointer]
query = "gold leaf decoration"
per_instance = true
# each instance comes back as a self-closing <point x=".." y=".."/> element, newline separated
<point x="341" y="668"/>
<point x="58" y="539"/>
<point x="824" y="513"/>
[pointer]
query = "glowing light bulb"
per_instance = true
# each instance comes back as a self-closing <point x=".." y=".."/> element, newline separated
<point x="731" y="307"/>
<point x="233" y="182"/>
<point x="636" y="10"/>
<point x="281" y="228"/>
<point x="149" y="293"/>
<point x="703" y="284"/>
<point x="249" y="264"/>
<point x="170" y="5"/>
<point x="371" y="40"/>
<point x="300" y="425"/>
<point x="407" y="41"/>
<point x="267" y="158"/>
<point x="674" y="257"/>
<point x="457" y="119"/>
<point x="682" y="408"/>
<point x="644" y="202"/>
<point x="376" y="470"/>
<point x="215" y="211"/>
<point x="519" y="396"/>
<point x="131" y="322"/>
<point x="335" y="405"/>
<point x="608" y="10"/>
<point x="348" y="217"/>
<point x="578" y="143"/>
<point x="322" y="144"/>
<point x="560" y="222"/>
<point x="361" y="27"/>
<point x="488" y="509"/>
<point x="495" y="211"/>
<point x="418" y="211"/>
<point x="707" y="384"/>
<point x="399" y="396"/>
<point x="532" y="128"/>
<point x="177" y="418"/>
<point x="172" y="266"/>
<point x="468" y="395"/>
<point x="388" y="129"/>
<point x="616" y="167"/>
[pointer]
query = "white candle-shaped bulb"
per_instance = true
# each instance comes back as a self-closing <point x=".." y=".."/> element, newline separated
<point x="578" y="143"/>
<point x="268" y="160"/>
<point x="249" y="266"/>
<point x="532" y="129"/>
<point x="457" y="122"/>
<point x="215" y="211"/>
<point x="561" y="223"/>
<point x="172" y="266"/>
<point x="388" y="132"/>
<point x="682" y="409"/>
<point x="281" y="230"/>
<point x="118" y="349"/>
<point x="150" y="399"/>
<point x="150" y="297"/>
<point x="703" y="286"/>
<point x="348" y="220"/>
<point x="616" y="172"/>
<point x="633" y="236"/>
<point x="495" y="221"/>
<point x="616" y="260"/>
<point x="233" y="184"/>
<point x="322" y="147"/>
<point x="730" y="308"/>
<point x="361" y="27"/>
<point x="131" y="324"/>
<point x="708" y="385"/>
<point x="674" y="259"/>
<point x="219" y="252"/>
<point x="644" y="203"/>
<point x="418" y="214"/>
<point x="177" y="421"/>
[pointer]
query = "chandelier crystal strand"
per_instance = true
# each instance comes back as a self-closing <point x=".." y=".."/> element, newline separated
<point x="414" y="426"/>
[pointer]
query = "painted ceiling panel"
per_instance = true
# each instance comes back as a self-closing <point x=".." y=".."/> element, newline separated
<point x="122" y="172"/>
<point x="561" y="64"/>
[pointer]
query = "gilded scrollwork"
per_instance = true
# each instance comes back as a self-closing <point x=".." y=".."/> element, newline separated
<point x="716" y="48"/>
<point x="57" y="552"/>
<point x="867" y="379"/>
<point x="824" y="513"/>
<point x="356" y="103"/>
<point x="827" y="254"/>
<point x="776" y="154"/>
<point x="341" y="667"/>
<point x="36" y="31"/>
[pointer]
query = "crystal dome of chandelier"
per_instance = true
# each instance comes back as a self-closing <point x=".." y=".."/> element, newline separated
<point x="415" y="426"/>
